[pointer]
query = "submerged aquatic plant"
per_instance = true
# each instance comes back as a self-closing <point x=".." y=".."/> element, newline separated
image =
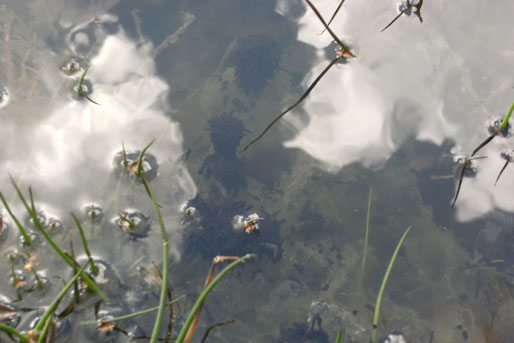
<point x="382" y="286"/>
<point x="257" y="60"/>
<point x="345" y="53"/>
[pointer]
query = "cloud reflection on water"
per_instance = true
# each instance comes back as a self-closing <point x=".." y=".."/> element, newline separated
<point x="70" y="158"/>
<point x="425" y="81"/>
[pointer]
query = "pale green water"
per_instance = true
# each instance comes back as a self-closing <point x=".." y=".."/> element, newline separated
<point x="204" y="78"/>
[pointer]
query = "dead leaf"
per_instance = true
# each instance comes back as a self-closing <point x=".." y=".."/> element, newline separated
<point x="19" y="282"/>
<point x="133" y="167"/>
<point x="6" y="313"/>
<point x="32" y="337"/>
<point x="106" y="327"/>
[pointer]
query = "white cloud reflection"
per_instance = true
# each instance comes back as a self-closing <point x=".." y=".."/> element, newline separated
<point x="70" y="158"/>
<point x="428" y="81"/>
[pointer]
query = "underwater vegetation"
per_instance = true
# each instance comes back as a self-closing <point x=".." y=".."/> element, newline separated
<point x="217" y="236"/>
<point x="257" y="59"/>
<point x="226" y="133"/>
<point x="302" y="333"/>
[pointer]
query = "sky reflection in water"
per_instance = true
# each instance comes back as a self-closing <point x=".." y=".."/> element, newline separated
<point x="72" y="151"/>
<point x="412" y="80"/>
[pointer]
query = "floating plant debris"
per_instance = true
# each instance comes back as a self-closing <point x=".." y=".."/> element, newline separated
<point x="4" y="97"/>
<point x="135" y="223"/>
<point x="407" y="8"/>
<point x="249" y="223"/>
<point x="149" y="166"/>
<point x="106" y="327"/>
<point x="73" y="67"/>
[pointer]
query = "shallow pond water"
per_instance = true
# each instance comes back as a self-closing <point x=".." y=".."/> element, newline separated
<point x="203" y="78"/>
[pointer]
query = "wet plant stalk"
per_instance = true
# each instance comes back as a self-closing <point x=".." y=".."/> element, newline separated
<point x="140" y="160"/>
<point x="94" y="269"/>
<point x="94" y="287"/>
<point x="365" y="250"/>
<point x="503" y="126"/>
<point x="384" y="280"/>
<point x="339" y="336"/>
<point x="205" y="293"/>
<point x="53" y="306"/>
<point x="26" y="237"/>
<point x="334" y="15"/>
<point x="12" y="331"/>
<point x="38" y="280"/>
<point x="164" y="287"/>
<point x="13" y="273"/>
<point x="215" y="261"/>
<point x="127" y="316"/>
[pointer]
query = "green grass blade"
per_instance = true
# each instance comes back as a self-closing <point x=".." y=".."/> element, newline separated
<point x="205" y="293"/>
<point x="53" y="306"/>
<point x="94" y="269"/>
<point x="365" y="250"/>
<point x="164" y="290"/>
<point x="386" y="276"/>
<point x="12" y="331"/>
<point x="505" y="120"/>
<point x="140" y="160"/>
<point x="94" y="287"/>
<point x="45" y="330"/>
<point x="164" y="235"/>
<point x="127" y="316"/>
<point x="26" y="237"/>
<point x="339" y="336"/>
<point x="81" y="82"/>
